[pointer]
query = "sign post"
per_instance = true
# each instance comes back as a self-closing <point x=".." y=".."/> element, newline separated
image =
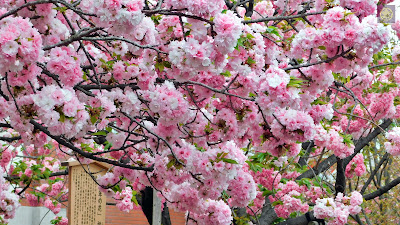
<point x="86" y="204"/>
<point x="156" y="209"/>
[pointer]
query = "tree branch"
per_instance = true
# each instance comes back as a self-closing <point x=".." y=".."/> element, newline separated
<point x="282" y="17"/>
<point x="384" y="158"/>
<point x="76" y="37"/>
<point x="88" y="155"/>
<point x="327" y="163"/>
<point x="382" y="190"/>
<point x="10" y="139"/>
<point x="340" y="183"/>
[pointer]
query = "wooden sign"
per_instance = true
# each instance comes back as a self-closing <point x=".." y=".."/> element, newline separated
<point x="86" y="204"/>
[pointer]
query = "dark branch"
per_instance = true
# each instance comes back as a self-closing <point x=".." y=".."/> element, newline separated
<point x="282" y="17"/>
<point x="10" y="139"/>
<point x="384" y="158"/>
<point x="340" y="177"/>
<point x="108" y="87"/>
<point x="88" y="155"/>
<point x="382" y="190"/>
<point x="75" y="37"/>
<point x="5" y="125"/>
<point x="331" y="160"/>
<point x="385" y="64"/>
<point x="249" y="10"/>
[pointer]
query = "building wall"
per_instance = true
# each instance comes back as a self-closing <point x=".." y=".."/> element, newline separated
<point x="137" y="217"/>
<point x="27" y="215"/>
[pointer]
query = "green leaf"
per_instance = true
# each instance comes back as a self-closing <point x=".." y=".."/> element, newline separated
<point x="273" y="30"/>
<point x="56" y="220"/>
<point x="109" y="129"/>
<point x="247" y="18"/>
<point x="305" y="181"/>
<point x="62" y="118"/>
<point x="226" y="73"/>
<point x="279" y="202"/>
<point x="347" y="139"/>
<point x="284" y="180"/>
<point x="134" y="197"/>
<point x="156" y="19"/>
<point x="267" y="193"/>
<point x="93" y="119"/>
<point x="46" y="174"/>
<point x="48" y="146"/>
<point x="39" y="194"/>
<point x="61" y="9"/>
<point x="295" y="82"/>
<point x="170" y="163"/>
<point x="107" y="146"/>
<point x="84" y="77"/>
<point x="159" y="66"/>
<point x="187" y="33"/>
<point x="250" y="61"/>
<point x="167" y="64"/>
<point x="226" y="160"/>
<point x="100" y="133"/>
<point x="249" y="36"/>
<point x="240" y="42"/>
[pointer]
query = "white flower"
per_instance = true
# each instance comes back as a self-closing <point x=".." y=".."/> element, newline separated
<point x="9" y="208"/>
<point x="10" y="48"/>
<point x="206" y="62"/>
<point x="281" y="160"/>
<point x="67" y="95"/>
<point x="274" y="80"/>
<point x="139" y="33"/>
<point x="44" y="103"/>
<point x="169" y="85"/>
<point x="173" y="103"/>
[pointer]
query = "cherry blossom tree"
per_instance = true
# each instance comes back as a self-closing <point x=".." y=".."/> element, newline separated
<point x="243" y="112"/>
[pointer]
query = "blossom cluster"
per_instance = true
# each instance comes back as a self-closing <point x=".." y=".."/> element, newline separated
<point x="197" y="7"/>
<point x="65" y="63"/>
<point x="334" y="141"/>
<point x="45" y="194"/>
<point x="293" y="125"/>
<point x="190" y="56"/>
<point x="58" y="189"/>
<point x="9" y="201"/>
<point x="361" y="9"/>
<point x="169" y="104"/>
<point x="229" y="28"/>
<point x="61" y="110"/>
<point x="392" y="146"/>
<point x="220" y="169"/>
<point x="125" y="199"/>
<point x="20" y="49"/>
<point x="356" y="166"/>
<point x="337" y="210"/>
<point x="340" y="28"/>
<point x="117" y="15"/>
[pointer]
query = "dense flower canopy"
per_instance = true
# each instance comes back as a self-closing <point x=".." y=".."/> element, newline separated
<point x="217" y="105"/>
